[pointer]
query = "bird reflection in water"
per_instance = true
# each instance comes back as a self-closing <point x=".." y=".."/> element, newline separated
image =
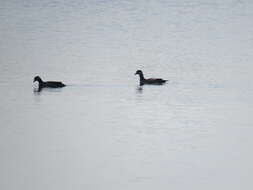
<point x="139" y="89"/>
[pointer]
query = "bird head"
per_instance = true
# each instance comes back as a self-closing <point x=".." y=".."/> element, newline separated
<point x="138" y="72"/>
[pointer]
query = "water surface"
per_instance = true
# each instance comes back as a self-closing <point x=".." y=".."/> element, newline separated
<point x="103" y="131"/>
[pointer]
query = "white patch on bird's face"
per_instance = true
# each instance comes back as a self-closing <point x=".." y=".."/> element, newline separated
<point x="36" y="85"/>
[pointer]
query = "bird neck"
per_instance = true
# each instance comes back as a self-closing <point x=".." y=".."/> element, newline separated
<point x="141" y="76"/>
<point x="40" y="81"/>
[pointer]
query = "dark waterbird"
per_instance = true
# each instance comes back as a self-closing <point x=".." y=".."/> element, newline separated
<point x="154" y="81"/>
<point x="48" y="84"/>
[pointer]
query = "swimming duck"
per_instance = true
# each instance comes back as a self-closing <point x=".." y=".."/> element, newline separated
<point x="154" y="81"/>
<point x="48" y="84"/>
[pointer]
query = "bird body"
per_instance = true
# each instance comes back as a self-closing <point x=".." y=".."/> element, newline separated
<point x="53" y="84"/>
<point x="154" y="81"/>
<point x="48" y="84"/>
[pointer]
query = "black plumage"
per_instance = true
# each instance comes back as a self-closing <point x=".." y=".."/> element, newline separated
<point x="154" y="81"/>
<point x="48" y="84"/>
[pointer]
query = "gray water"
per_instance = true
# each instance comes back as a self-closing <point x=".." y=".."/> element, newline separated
<point x="103" y="131"/>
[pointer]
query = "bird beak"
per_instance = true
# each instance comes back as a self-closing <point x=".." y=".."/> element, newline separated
<point x="135" y="73"/>
<point x="33" y="80"/>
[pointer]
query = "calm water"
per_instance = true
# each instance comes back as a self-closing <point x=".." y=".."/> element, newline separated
<point x="102" y="131"/>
